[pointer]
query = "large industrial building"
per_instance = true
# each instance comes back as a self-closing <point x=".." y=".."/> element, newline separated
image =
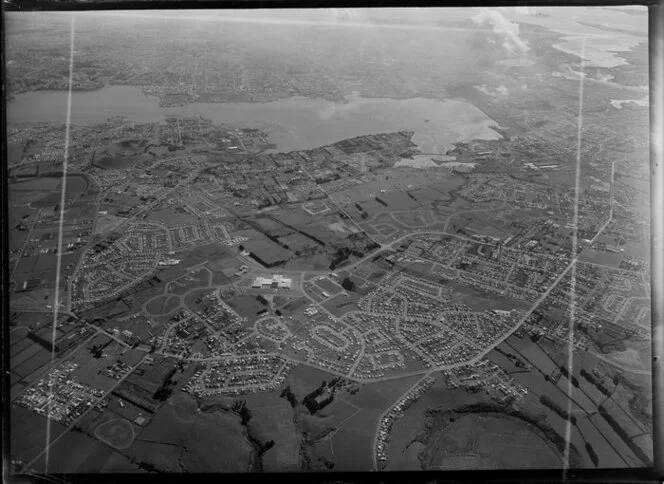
<point x="276" y="281"/>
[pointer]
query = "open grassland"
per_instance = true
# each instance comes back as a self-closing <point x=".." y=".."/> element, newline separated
<point x="162" y="305"/>
<point x="183" y="438"/>
<point x="353" y="443"/>
<point x="408" y="431"/>
<point x="490" y="442"/>
<point x="272" y="420"/>
<point x="28" y="431"/>
<point x="78" y="453"/>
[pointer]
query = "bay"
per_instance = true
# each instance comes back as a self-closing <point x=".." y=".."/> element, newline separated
<point x="295" y="123"/>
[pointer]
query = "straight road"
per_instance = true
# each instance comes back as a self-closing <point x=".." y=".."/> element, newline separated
<point x="387" y="410"/>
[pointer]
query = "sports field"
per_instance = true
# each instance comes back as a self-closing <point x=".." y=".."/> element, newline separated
<point x="118" y="433"/>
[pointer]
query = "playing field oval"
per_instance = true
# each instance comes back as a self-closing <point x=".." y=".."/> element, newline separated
<point x="118" y="433"/>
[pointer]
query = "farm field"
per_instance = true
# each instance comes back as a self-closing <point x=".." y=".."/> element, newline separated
<point x="272" y="418"/>
<point x="353" y="443"/>
<point x="332" y="417"/>
<point x="172" y="216"/>
<point x="408" y="431"/>
<point x="25" y="422"/>
<point x="373" y="399"/>
<point x="182" y="439"/>
<point x="77" y="453"/>
<point x="491" y="442"/>
<point x="305" y="379"/>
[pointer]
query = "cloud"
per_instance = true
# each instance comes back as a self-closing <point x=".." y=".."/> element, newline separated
<point x="483" y="89"/>
<point x="500" y="25"/>
<point x="344" y="13"/>
<point x="336" y="110"/>
<point x="525" y="10"/>
<point x="500" y="91"/>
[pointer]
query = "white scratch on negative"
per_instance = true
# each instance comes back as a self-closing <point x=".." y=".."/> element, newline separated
<point x="56" y="297"/>
<point x="575" y="242"/>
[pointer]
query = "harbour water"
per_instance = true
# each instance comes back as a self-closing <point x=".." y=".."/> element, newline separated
<point x="607" y="32"/>
<point x="599" y="50"/>
<point x="294" y="123"/>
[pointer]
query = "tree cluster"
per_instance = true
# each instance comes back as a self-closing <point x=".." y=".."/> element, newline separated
<point x="166" y="389"/>
<point x="589" y="377"/>
<point x="572" y="378"/>
<point x="312" y="404"/>
<point x="240" y="407"/>
<point x="288" y="395"/>
<point x="592" y="454"/>
<point x="348" y="284"/>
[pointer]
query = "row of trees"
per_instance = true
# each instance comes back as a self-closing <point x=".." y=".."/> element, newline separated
<point x="617" y="428"/>
<point x="592" y="454"/>
<point x="342" y="254"/>
<point x="363" y="212"/>
<point x="240" y="407"/>
<point x="166" y="389"/>
<point x="289" y="396"/>
<point x="314" y="405"/>
<point x="546" y="401"/>
<point x="572" y="378"/>
<point x="348" y="284"/>
<point x="548" y="431"/>
<point x="589" y="377"/>
<point x="599" y="384"/>
<point x="310" y="400"/>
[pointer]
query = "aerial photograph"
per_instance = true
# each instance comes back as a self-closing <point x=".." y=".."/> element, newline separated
<point x="328" y="240"/>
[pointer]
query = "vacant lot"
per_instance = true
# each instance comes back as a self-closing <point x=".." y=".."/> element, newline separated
<point x="162" y="305"/>
<point x="172" y="216"/>
<point x="119" y="162"/>
<point x="246" y="306"/>
<point x="340" y="304"/>
<point x="198" y="278"/>
<point x="328" y="286"/>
